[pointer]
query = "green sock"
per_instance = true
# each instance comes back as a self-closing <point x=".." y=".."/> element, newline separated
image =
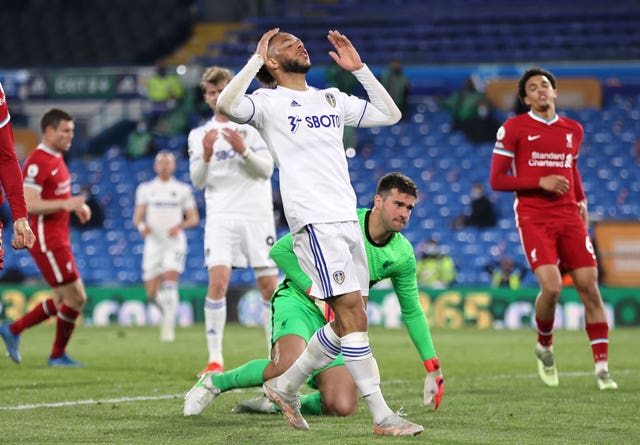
<point x="245" y="376"/>
<point x="309" y="404"/>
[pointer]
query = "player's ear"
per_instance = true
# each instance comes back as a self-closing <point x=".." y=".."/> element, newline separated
<point x="271" y="63"/>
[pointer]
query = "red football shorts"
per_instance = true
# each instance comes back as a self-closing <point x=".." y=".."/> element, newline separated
<point x="57" y="266"/>
<point x="562" y="242"/>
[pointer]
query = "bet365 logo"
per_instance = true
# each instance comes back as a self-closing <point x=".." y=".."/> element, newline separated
<point x="321" y="121"/>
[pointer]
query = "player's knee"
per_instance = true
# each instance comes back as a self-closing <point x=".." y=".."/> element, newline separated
<point x="551" y="292"/>
<point x="340" y="406"/>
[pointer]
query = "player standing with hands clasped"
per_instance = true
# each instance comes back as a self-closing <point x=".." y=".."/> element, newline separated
<point x="232" y="164"/>
<point x="536" y="156"/>
<point x="47" y="190"/>
<point x="303" y="127"/>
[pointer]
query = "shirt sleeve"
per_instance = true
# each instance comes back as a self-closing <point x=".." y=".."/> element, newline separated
<point x="282" y="253"/>
<point x="197" y="167"/>
<point x="381" y="109"/>
<point x="406" y="288"/>
<point x="257" y="159"/>
<point x="10" y="173"/>
<point x="504" y="153"/>
<point x="232" y="102"/>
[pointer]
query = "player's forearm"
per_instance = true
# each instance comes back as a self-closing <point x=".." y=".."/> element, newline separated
<point x="509" y="183"/>
<point x="385" y="111"/>
<point x="501" y="180"/>
<point x="231" y="101"/>
<point x="418" y="329"/>
<point x="258" y="166"/>
<point x="198" y="170"/>
<point x="192" y="219"/>
<point x="45" y="206"/>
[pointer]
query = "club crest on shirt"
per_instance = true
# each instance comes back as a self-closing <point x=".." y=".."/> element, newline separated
<point x="338" y="276"/>
<point x="331" y="100"/>
<point x="569" y="137"/>
<point x="32" y="171"/>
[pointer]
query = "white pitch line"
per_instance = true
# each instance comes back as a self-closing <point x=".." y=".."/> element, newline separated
<point x="181" y="395"/>
<point x="88" y="402"/>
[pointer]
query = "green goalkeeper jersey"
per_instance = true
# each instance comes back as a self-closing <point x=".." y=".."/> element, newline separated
<point x="394" y="260"/>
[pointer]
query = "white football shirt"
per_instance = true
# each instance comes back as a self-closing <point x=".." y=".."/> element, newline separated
<point x="231" y="190"/>
<point x="166" y="202"/>
<point x="303" y="130"/>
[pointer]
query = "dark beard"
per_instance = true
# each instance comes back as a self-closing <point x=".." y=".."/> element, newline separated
<point x="293" y="66"/>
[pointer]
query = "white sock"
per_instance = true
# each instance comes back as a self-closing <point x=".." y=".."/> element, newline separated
<point x="322" y="349"/>
<point x="168" y="298"/>
<point x="364" y="369"/>
<point x="602" y="365"/>
<point x="215" y="318"/>
<point x="266" y="320"/>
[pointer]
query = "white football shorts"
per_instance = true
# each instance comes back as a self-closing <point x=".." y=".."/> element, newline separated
<point x="334" y="257"/>
<point x="163" y="254"/>
<point x="240" y="244"/>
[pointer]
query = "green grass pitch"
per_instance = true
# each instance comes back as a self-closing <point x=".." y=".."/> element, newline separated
<point x="131" y="391"/>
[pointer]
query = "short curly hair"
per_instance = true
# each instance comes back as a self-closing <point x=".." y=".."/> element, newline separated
<point x="535" y="71"/>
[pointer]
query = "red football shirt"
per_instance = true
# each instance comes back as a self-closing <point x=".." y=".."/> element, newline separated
<point x="10" y="174"/>
<point x="530" y="148"/>
<point x="46" y="171"/>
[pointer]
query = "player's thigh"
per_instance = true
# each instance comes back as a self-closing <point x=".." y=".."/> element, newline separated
<point x="326" y="254"/>
<point x="58" y="266"/>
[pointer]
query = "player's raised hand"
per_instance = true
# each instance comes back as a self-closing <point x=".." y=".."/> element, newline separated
<point x="345" y="54"/>
<point x="207" y="144"/>
<point x="234" y="138"/>
<point x="433" y="384"/>
<point x="263" y="44"/>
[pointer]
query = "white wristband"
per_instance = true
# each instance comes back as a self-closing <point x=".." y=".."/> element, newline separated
<point x="141" y="227"/>
<point x="245" y="154"/>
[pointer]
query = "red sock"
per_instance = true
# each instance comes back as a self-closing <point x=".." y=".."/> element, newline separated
<point x="64" y="329"/>
<point x="545" y="332"/>
<point x="599" y="338"/>
<point x="36" y="315"/>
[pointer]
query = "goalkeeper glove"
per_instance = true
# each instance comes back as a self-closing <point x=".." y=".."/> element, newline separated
<point x="433" y="383"/>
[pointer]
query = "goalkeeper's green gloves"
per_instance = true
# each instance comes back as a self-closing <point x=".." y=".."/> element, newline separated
<point x="433" y="384"/>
